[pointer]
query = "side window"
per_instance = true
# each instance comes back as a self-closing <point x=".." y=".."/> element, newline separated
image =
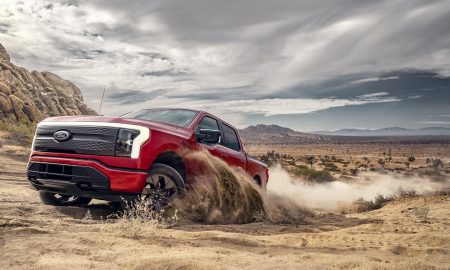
<point x="230" y="139"/>
<point x="207" y="123"/>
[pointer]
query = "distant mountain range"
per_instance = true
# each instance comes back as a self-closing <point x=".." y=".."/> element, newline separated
<point x="277" y="135"/>
<point x="274" y="134"/>
<point x="390" y="131"/>
<point x="273" y="130"/>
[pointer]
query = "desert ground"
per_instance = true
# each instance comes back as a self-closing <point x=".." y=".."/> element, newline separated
<point x="406" y="233"/>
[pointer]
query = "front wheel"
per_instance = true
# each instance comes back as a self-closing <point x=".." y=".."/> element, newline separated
<point x="54" y="199"/>
<point x="163" y="184"/>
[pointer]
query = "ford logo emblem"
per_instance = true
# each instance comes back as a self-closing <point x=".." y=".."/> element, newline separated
<point x="62" y="135"/>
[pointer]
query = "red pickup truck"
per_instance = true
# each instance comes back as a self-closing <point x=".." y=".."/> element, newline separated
<point x="77" y="158"/>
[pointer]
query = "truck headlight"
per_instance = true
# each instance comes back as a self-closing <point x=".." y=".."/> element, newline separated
<point x="124" y="143"/>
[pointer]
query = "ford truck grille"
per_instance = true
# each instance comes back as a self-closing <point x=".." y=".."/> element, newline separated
<point x="88" y="140"/>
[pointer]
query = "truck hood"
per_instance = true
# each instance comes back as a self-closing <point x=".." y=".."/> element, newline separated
<point x="152" y="125"/>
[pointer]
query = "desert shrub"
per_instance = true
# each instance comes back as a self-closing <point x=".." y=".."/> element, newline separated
<point x="140" y="217"/>
<point x="362" y="205"/>
<point x="310" y="160"/>
<point x="270" y="158"/>
<point x="401" y="193"/>
<point x="421" y="212"/>
<point x="330" y="166"/>
<point x="312" y="175"/>
<point x="291" y="162"/>
<point x="436" y="163"/>
<point x="22" y="132"/>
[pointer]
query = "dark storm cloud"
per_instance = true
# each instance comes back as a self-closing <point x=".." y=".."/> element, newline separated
<point x="154" y="56"/>
<point x="4" y="28"/>
<point x="403" y="84"/>
<point x="167" y="72"/>
<point x="254" y="60"/>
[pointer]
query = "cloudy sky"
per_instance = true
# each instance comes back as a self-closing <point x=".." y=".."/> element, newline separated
<point x="307" y="65"/>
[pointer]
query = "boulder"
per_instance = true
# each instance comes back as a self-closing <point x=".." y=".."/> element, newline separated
<point x="6" y="107"/>
<point x="32" y="96"/>
<point x="4" y="88"/>
<point x="4" y="56"/>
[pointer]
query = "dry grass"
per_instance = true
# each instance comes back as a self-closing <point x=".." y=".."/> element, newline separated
<point x="22" y="132"/>
<point x="361" y="205"/>
<point x="139" y="218"/>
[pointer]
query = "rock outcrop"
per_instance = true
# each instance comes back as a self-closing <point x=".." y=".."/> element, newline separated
<point x="31" y="96"/>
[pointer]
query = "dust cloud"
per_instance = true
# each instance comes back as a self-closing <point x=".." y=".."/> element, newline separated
<point x="227" y="195"/>
<point x="223" y="194"/>
<point x="332" y="195"/>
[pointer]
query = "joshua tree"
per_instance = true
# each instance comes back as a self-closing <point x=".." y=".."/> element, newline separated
<point x="310" y="160"/>
<point x="354" y="171"/>
<point x="366" y="159"/>
<point x="382" y="162"/>
<point x="436" y="163"/>
<point x="390" y="155"/>
<point x="411" y="159"/>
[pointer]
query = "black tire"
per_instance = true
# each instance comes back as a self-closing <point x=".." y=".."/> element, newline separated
<point x="54" y="199"/>
<point x="158" y="193"/>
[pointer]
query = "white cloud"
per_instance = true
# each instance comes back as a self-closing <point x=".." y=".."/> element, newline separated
<point x="374" y="79"/>
<point x="378" y="94"/>
<point x="236" y="110"/>
<point x="278" y="106"/>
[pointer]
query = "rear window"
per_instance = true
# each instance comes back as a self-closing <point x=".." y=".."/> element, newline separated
<point x="177" y="117"/>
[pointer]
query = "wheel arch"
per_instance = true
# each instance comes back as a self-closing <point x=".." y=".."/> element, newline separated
<point x="172" y="159"/>
<point x="257" y="179"/>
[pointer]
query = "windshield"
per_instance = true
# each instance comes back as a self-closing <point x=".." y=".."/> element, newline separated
<point x="177" y="117"/>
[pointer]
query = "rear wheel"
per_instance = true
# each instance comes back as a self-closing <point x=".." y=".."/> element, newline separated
<point x="54" y="199"/>
<point x="163" y="184"/>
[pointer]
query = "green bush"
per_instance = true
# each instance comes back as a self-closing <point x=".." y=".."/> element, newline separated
<point x="329" y="166"/>
<point x="312" y="175"/>
<point x="362" y="205"/>
<point x="22" y="132"/>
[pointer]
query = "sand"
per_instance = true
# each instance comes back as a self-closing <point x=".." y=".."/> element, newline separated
<point x="406" y="234"/>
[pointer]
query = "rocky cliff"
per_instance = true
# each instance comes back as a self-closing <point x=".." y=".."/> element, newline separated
<point x="31" y="96"/>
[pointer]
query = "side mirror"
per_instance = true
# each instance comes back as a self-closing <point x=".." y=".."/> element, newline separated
<point x="208" y="136"/>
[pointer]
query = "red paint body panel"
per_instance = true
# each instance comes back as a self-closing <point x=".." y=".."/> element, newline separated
<point x="129" y="175"/>
<point x="120" y="180"/>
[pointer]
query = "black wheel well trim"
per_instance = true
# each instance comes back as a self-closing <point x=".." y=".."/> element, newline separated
<point x="172" y="159"/>
<point x="257" y="179"/>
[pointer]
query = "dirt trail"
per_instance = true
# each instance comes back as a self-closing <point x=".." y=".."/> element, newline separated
<point x="412" y="233"/>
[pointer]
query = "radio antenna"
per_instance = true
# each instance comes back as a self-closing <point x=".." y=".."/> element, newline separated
<point x="101" y="101"/>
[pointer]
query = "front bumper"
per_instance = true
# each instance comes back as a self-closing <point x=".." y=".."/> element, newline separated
<point x="84" y="178"/>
